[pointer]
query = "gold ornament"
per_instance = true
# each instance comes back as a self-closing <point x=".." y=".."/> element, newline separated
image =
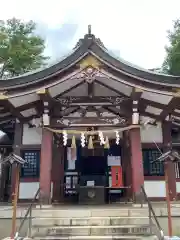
<point x="73" y="144"/>
<point x="89" y="61"/>
<point x="3" y="96"/>
<point x="140" y="90"/>
<point x="41" y="91"/>
<point x="90" y="144"/>
<point x="106" y="145"/>
<point x="176" y="92"/>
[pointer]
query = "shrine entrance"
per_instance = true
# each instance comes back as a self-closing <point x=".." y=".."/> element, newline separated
<point x="95" y="175"/>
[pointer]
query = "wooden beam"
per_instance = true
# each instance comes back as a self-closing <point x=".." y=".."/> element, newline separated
<point x="22" y="108"/>
<point x="152" y="103"/>
<point x="10" y="108"/>
<point x="69" y="121"/>
<point x="169" y="109"/>
<point x="61" y="114"/>
<point x="91" y="89"/>
<point x="136" y="94"/>
<point x="111" y="89"/>
<point x="85" y="100"/>
<point x="150" y="115"/>
<point x="176" y="114"/>
<point x="83" y="112"/>
<point x="66" y="111"/>
<point x="46" y="104"/>
<point x="7" y="119"/>
<point x="99" y="111"/>
<point x="45" y="98"/>
<point x="102" y="125"/>
<point x="86" y="118"/>
<point x="118" y="112"/>
<point x="122" y="112"/>
<point x="28" y="106"/>
<point x="44" y="95"/>
<point x="106" y="100"/>
<point x="70" y="89"/>
<point x="142" y="110"/>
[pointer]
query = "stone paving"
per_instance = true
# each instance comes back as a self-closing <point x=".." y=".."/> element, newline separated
<point x="86" y="211"/>
<point x="125" y="210"/>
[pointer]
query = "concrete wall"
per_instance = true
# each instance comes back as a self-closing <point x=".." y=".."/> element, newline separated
<point x="178" y="187"/>
<point x="153" y="189"/>
<point x="157" y="188"/>
<point x="152" y="134"/>
<point x="31" y="135"/>
<point x="27" y="190"/>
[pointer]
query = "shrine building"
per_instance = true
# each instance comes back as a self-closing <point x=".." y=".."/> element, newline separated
<point x="90" y="128"/>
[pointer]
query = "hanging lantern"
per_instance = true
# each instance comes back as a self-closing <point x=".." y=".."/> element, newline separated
<point x="117" y="138"/>
<point x="73" y="144"/>
<point x="106" y="145"/>
<point x="34" y="122"/>
<point x="46" y="119"/>
<point x="102" y="142"/>
<point x="135" y="118"/>
<point x="65" y="138"/>
<point x="90" y="144"/>
<point x="83" y="139"/>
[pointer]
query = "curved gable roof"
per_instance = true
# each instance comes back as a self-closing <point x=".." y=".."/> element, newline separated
<point x="90" y="44"/>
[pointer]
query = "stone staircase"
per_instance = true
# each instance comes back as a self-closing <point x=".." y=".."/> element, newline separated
<point x="92" y="223"/>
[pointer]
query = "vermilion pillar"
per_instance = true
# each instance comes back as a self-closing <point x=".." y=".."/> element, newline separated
<point x="126" y="166"/>
<point x="169" y="165"/>
<point x="136" y="162"/>
<point x="58" y="172"/>
<point x="45" y="166"/>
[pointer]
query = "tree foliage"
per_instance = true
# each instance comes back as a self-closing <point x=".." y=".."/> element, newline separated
<point x="21" y="50"/>
<point x="171" y="64"/>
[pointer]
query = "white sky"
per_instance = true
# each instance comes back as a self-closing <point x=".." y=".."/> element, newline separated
<point x="137" y="29"/>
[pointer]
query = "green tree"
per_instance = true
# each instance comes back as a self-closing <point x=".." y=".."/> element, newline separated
<point x="21" y="50"/>
<point x="171" y="63"/>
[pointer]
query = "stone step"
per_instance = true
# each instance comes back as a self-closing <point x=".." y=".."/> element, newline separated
<point x="38" y="222"/>
<point x="100" y="212"/>
<point x="91" y="213"/>
<point x="110" y="237"/>
<point x="92" y="230"/>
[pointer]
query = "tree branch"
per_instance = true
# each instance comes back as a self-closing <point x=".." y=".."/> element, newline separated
<point x="2" y="70"/>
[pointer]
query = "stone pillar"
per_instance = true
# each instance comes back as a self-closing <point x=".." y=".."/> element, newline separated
<point x="136" y="163"/>
<point x="169" y="166"/>
<point x="58" y="173"/>
<point x="16" y="150"/>
<point x="45" y="166"/>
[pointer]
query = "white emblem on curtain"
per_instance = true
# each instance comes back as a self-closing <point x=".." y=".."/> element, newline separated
<point x="71" y="158"/>
<point x="114" y="161"/>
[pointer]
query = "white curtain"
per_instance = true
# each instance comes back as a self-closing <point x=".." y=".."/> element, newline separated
<point x="71" y="158"/>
